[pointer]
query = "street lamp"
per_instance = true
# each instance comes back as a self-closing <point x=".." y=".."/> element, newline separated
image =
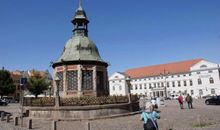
<point x="57" y="96"/>
<point x="49" y="90"/>
<point x="128" y="82"/>
<point x="164" y="74"/>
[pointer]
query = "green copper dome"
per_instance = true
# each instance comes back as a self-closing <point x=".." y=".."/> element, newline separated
<point x="80" y="48"/>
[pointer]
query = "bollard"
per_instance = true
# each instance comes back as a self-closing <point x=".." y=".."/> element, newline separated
<point x="2" y="116"/>
<point x="7" y="118"/>
<point x="16" y="121"/>
<point x="87" y="126"/>
<point x="29" y="123"/>
<point x="54" y="125"/>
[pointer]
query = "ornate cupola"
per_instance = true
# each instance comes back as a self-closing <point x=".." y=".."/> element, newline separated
<point x="80" y="67"/>
<point x="80" y="22"/>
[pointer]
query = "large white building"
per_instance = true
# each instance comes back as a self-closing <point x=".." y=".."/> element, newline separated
<point x="197" y="77"/>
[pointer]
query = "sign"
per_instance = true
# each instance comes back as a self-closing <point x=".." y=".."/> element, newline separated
<point x="23" y="81"/>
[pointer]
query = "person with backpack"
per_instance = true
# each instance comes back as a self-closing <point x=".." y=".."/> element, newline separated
<point x="189" y="101"/>
<point x="149" y="116"/>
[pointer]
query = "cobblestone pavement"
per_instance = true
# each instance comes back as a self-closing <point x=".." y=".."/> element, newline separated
<point x="171" y="118"/>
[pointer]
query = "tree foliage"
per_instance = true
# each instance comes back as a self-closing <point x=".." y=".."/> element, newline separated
<point x="6" y="83"/>
<point x="37" y="83"/>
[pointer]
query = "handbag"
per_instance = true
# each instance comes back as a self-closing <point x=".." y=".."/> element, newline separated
<point x="150" y="125"/>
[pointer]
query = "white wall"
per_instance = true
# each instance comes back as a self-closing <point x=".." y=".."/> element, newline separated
<point x="203" y="70"/>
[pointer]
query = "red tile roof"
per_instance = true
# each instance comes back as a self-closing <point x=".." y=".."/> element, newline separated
<point x="155" y="70"/>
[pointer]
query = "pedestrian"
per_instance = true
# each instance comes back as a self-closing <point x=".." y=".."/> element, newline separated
<point x="180" y="99"/>
<point x="155" y="115"/>
<point x="149" y="117"/>
<point x="189" y="101"/>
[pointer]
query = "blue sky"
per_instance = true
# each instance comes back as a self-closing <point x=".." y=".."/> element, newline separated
<point x="128" y="33"/>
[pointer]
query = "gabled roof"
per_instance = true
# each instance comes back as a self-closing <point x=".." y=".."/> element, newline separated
<point x="156" y="70"/>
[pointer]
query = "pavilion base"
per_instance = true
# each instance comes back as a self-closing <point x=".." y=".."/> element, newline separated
<point x="81" y="112"/>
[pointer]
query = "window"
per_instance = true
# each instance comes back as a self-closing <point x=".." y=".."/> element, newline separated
<point x="140" y="86"/>
<point x="168" y="85"/>
<point x="120" y="87"/>
<point x="131" y="88"/>
<point x="113" y="88"/>
<point x="191" y="83"/>
<point x="211" y="80"/>
<point x="203" y="66"/>
<point x="150" y="86"/>
<point x="185" y="92"/>
<point x="179" y="84"/>
<point x="136" y="87"/>
<point x="210" y="71"/>
<point x="200" y="92"/>
<point x="72" y="80"/>
<point x="145" y="86"/>
<point x="198" y="72"/>
<point x="173" y="83"/>
<point x="199" y="81"/>
<point x="172" y="76"/>
<point x="192" y="92"/>
<point x="87" y="80"/>
<point x="60" y="75"/>
<point x="184" y="75"/>
<point x="190" y="74"/>
<point x="162" y="85"/>
<point x="212" y="91"/>
<point x="184" y="83"/>
<point x="158" y="84"/>
<point x="178" y="75"/>
<point x="155" y="85"/>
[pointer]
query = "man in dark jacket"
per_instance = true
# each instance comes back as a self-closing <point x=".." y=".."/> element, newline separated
<point x="189" y="101"/>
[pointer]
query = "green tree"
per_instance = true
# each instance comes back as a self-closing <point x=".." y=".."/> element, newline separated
<point x="6" y="83"/>
<point x="37" y="83"/>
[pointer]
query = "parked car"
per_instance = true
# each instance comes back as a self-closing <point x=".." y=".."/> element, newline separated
<point x="9" y="99"/>
<point x="3" y="102"/>
<point x="215" y="100"/>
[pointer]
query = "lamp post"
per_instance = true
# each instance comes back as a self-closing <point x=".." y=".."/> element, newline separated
<point x="49" y="90"/>
<point x="128" y="82"/>
<point x="57" y="96"/>
<point x="164" y="74"/>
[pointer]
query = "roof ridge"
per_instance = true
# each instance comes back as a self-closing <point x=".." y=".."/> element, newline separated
<point x="199" y="59"/>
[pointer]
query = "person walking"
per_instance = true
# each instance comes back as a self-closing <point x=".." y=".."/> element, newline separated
<point x="149" y="117"/>
<point x="180" y="100"/>
<point x="155" y="115"/>
<point x="189" y="101"/>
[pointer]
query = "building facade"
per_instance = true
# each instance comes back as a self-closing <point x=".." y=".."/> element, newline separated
<point x="17" y="75"/>
<point x="197" y="77"/>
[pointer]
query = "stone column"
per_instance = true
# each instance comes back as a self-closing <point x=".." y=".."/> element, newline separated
<point x="79" y="68"/>
<point x="94" y="70"/>
<point x="65" y="81"/>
